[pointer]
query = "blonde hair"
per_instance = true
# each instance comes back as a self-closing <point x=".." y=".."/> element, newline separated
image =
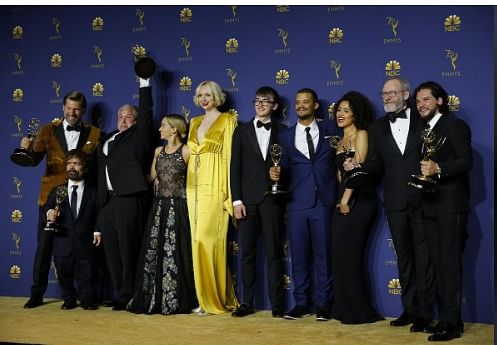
<point x="178" y="122"/>
<point x="218" y="95"/>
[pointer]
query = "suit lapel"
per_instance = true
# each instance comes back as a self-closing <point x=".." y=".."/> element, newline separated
<point x="388" y="133"/>
<point x="83" y="136"/>
<point x="59" y="134"/>
<point x="253" y="137"/>
<point x="413" y="135"/>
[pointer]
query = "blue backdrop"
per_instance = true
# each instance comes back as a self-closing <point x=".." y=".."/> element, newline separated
<point x="46" y="51"/>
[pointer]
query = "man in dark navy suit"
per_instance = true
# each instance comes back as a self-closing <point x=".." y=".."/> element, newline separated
<point x="255" y="209"/>
<point x="308" y="167"/>
<point x="445" y="212"/>
<point x="73" y="242"/>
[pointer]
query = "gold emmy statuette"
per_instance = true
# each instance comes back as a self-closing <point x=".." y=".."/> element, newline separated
<point x="356" y="177"/>
<point x="431" y="144"/>
<point x="22" y="156"/>
<point x="60" y="195"/>
<point x="275" y="152"/>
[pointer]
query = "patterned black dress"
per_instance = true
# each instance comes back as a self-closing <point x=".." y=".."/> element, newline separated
<point x="164" y="282"/>
<point x="350" y="233"/>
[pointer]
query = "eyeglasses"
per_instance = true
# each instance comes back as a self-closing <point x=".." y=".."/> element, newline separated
<point x="262" y="102"/>
<point x="390" y="94"/>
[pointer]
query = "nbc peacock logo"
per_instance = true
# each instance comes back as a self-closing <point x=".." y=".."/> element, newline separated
<point x="15" y="272"/>
<point x="185" y="15"/>
<point x="394" y="287"/>
<point x="282" y="9"/>
<point x="97" y="24"/>
<point x="17" y="32"/>
<point x="97" y="90"/>
<point x="18" y="95"/>
<point x="185" y="83"/>
<point x="335" y="36"/>
<point x="392" y="68"/>
<point x="232" y="46"/>
<point x="282" y="77"/>
<point x="138" y="51"/>
<point x="16" y="216"/>
<point x="56" y="60"/>
<point x="452" y="23"/>
<point x="454" y="103"/>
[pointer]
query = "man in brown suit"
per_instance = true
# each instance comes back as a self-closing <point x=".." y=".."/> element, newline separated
<point x="54" y="141"/>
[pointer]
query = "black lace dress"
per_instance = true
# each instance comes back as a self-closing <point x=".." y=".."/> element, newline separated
<point x="350" y="233"/>
<point x="164" y="282"/>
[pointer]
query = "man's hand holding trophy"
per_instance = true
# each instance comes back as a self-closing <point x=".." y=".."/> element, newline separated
<point x="355" y="176"/>
<point x="431" y="144"/>
<point x="53" y="214"/>
<point x="275" y="153"/>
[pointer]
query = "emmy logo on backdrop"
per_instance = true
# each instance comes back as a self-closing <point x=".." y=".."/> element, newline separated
<point x="356" y="177"/>
<point x="22" y="156"/>
<point x="431" y="144"/>
<point x="60" y="195"/>
<point x="275" y="153"/>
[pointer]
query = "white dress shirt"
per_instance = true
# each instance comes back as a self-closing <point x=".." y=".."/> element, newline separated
<point x="263" y="136"/>
<point x="301" y="137"/>
<point x="72" y="137"/>
<point x="400" y="129"/>
<point x="79" y="192"/>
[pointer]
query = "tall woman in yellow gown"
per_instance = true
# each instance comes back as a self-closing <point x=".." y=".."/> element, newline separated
<point x="209" y="199"/>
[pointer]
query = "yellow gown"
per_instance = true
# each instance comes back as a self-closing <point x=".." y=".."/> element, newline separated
<point x="209" y="207"/>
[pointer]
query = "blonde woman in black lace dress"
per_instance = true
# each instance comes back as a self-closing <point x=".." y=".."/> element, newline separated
<point x="164" y="282"/>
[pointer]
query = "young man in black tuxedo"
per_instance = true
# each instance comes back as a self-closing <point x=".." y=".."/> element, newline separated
<point x="75" y="216"/>
<point x="445" y="212"/>
<point x="256" y="211"/>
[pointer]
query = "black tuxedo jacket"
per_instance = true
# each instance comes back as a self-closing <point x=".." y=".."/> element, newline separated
<point x="76" y="236"/>
<point x="129" y="159"/>
<point x="249" y="172"/>
<point x="455" y="159"/>
<point x="385" y="159"/>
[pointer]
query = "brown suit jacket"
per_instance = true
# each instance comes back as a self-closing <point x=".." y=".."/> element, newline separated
<point x="52" y="143"/>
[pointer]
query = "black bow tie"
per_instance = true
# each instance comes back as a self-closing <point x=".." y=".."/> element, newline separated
<point x="266" y="125"/>
<point x="73" y="128"/>
<point x="394" y="116"/>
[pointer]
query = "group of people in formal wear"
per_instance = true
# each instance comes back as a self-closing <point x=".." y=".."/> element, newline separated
<point x="169" y="254"/>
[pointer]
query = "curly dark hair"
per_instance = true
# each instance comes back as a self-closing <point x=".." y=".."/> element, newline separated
<point x="361" y="107"/>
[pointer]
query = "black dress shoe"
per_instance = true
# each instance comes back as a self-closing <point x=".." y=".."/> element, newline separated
<point x="445" y="334"/>
<point x="402" y="320"/>
<point x="298" y="312"/>
<point x="33" y="302"/>
<point x="119" y="305"/>
<point x="243" y="310"/>
<point x="424" y="326"/>
<point x="108" y="303"/>
<point x="277" y="312"/>
<point x="89" y="306"/>
<point x="68" y="305"/>
<point x="323" y="314"/>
